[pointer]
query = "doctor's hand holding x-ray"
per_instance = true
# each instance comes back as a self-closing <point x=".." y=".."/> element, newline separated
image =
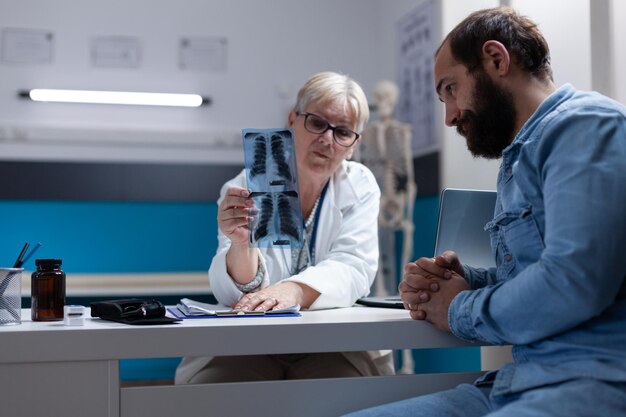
<point x="233" y="216"/>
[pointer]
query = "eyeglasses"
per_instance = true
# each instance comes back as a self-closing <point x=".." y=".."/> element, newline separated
<point x="315" y="124"/>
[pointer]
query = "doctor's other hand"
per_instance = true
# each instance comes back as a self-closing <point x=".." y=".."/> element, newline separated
<point x="280" y="295"/>
<point x="233" y="214"/>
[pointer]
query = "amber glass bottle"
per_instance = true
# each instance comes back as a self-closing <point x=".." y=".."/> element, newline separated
<point x="47" y="290"/>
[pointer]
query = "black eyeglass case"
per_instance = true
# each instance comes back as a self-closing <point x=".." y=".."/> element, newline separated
<point x="132" y="311"/>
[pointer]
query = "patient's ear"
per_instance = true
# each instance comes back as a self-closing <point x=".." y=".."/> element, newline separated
<point x="496" y="58"/>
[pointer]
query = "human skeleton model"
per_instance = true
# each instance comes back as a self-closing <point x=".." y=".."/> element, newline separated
<point x="386" y="150"/>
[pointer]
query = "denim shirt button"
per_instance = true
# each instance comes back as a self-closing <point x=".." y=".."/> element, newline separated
<point x="507" y="258"/>
<point x="509" y="170"/>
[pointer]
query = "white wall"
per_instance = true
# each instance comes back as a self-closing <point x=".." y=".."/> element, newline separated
<point x="272" y="48"/>
<point x="618" y="9"/>
<point x="566" y="26"/>
<point x="389" y="15"/>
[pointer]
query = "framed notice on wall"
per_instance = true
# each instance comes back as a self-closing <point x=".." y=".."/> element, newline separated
<point x="26" y="46"/>
<point x="417" y="39"/>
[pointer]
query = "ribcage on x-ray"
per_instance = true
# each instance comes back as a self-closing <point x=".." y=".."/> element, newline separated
<point x="260" y="155"/>
<point x="278" y="154"/>
<point x="277" y="217"/>
<point x="288" y="225"/>
<point x="266" y="211"/>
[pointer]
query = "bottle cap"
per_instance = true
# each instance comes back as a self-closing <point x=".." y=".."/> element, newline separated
<point x="48" y="263"/>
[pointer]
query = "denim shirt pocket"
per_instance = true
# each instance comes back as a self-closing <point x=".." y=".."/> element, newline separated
<point x="516" y="239"/>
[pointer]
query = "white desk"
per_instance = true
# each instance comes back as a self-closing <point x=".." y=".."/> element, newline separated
<point x="50" y="369"/>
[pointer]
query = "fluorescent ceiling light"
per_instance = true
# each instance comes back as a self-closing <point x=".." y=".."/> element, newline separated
<point x="115" y="97"/>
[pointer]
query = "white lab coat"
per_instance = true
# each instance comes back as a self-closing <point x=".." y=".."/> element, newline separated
<point x="346" y="256"/>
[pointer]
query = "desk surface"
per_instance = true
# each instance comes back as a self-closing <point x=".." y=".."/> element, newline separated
<point x="47" y="360"/>
<point x="345" y="329"/>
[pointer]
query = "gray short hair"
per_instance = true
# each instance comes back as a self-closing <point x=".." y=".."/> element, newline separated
<point x="331" y="87"/>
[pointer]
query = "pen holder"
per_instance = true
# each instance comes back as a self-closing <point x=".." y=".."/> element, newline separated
<point x="10" y="296"/>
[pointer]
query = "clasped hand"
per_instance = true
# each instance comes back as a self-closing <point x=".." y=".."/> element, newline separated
<point x="429" y="285"/>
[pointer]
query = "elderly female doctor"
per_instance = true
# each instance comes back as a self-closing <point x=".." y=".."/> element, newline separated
<point x="330" y="111"/>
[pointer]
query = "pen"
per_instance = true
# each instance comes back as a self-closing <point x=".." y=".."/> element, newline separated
<point x="29" y="254"/>
<point x="18" y="261"/>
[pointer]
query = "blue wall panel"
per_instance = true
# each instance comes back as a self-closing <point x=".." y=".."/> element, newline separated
<point x="112" y="237"/>
<point x="425" y="213"/>
<point x="148" y="369"/>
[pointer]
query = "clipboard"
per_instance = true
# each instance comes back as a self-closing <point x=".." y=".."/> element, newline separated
<point x="190" y="309"/>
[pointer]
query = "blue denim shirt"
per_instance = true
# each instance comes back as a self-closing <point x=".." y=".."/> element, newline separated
<point x="558" y="293"/>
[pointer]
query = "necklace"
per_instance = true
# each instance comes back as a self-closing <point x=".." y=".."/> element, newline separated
<point x="300" y="256"/>
<point x="311" y="217"/>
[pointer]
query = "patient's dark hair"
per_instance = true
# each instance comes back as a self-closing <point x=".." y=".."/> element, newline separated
<point x="517" y="33"/>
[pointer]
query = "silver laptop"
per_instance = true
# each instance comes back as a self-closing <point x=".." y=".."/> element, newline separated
<point x="463" y="215"/>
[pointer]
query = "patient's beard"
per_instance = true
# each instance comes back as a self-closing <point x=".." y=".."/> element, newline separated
<point x="489" y="128"/>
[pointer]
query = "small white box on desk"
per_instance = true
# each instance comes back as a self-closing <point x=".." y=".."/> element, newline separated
<point x="74" y="315"/>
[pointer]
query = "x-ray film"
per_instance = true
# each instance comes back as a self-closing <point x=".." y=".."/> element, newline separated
<point x="271" y="175"/>
<point x="270" y="159"/>
<point x="279" y="222"/>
